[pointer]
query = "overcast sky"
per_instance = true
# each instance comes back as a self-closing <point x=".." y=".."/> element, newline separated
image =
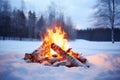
<point x="79" y="10"/>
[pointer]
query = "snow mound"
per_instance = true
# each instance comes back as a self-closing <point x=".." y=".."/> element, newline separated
<point x="103" y="67"/>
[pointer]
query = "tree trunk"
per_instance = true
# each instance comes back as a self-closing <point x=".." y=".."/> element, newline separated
<point x="112" y="34"/>
<point x="113" y="17"/>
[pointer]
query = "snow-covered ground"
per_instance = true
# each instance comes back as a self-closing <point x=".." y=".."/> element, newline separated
<point x="104" y="59"/>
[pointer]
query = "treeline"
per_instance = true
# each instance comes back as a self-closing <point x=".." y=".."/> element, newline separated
<point x="15" y="23"/>
<point x="18" y="24"/>
<point x="98" y="34"/>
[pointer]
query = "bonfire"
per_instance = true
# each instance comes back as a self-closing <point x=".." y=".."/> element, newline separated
<point x="55" y="50"/>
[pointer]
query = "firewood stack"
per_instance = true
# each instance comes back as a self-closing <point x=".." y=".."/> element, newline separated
<point x="67" y="58"/>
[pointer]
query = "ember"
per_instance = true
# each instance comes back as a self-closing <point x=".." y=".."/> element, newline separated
<point x="55" y="51"/>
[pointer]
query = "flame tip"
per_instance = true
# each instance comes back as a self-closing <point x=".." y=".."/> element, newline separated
<point x="54" y="35"/>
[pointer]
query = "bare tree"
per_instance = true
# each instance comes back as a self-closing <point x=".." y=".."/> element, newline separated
<point x="57" y="17"/>
<point x="22" y="5"/>
<point x="107" y="14"/>
<point x="69" y="27"/>
<point x="52" y="14"/>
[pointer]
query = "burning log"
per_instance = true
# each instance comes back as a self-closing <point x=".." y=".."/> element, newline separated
<point x="77" y="56"/>
<point x="32" y="57"/>
<point x="66" y="59"/>
<point x="64" y="54"/>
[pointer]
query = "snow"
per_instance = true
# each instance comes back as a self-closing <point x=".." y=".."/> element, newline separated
<point x="92" y="47"/>
<point x="82" y="46"/>
<point x="104" y="59"/>
<point x="16" y="47"/>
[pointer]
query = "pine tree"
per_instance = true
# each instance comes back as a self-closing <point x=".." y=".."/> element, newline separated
<point x="41" y="26"/>
<point x="31" y="24"/>
<point x="5" y="18"/>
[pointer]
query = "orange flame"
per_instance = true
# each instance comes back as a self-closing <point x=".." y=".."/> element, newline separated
<point x="53" y="35"/>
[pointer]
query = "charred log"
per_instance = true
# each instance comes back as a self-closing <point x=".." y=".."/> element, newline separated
<point x="64" y="54"/>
